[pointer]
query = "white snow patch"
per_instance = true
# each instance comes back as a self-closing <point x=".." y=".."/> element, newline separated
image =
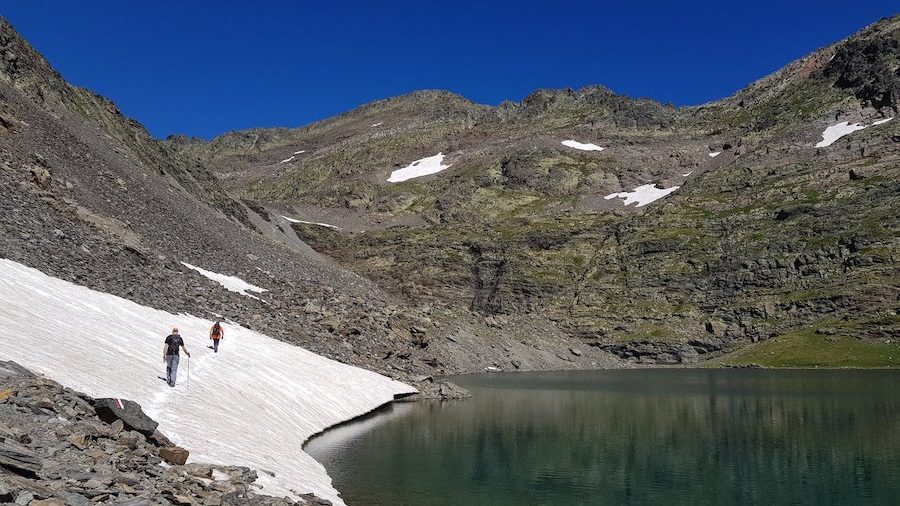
<point x="582" y="146"/>
<point x="835" y="132"/>
<point x="232" y="283"/>
<point x="419" y="168"/>
<point x="254" y="403"/>
<point x="643" y="195"/>
<point x="294" y="155"/>
<point x="219" y="475"/>
<point x="715" y="154"/>
<point x="378" y="124"/>
<point x="686" y="174"/>
<point x="294" y="220"/>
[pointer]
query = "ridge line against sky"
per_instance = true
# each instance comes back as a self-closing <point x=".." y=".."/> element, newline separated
<point x="202" y="68"/>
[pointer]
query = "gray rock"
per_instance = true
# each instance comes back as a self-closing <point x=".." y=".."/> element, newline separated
<point x="24" y="498"/>
<point x="18" y="459"/>
<point x="449" y="391"/>
<point x="129" y="412"/>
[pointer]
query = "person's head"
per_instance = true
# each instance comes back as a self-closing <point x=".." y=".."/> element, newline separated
<point x="175" y="330"/>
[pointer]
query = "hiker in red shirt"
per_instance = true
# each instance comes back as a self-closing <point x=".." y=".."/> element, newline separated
<point x="215" y="334"/>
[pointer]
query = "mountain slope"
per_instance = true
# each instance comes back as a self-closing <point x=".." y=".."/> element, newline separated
<point x="765" y="233"/>
<point x="90" y="198"/>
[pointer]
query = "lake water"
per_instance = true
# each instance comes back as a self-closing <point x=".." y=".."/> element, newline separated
<point x="658" y="436"/>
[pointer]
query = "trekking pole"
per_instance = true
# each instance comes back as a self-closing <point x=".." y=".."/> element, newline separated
<point x="189" y="371"/>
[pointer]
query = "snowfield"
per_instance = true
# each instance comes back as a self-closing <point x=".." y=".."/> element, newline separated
<point x="419" y="168"/>
<point x="232" y="283"/>
<point x="838" y="130"/>
<point x="254" y="403"/>
<point x="643" y="195"/>
<point x="835" y="132"/>
<point x="294" y="220"/>
<point x="582" y="146"/>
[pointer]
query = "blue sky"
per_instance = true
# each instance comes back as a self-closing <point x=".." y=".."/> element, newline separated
<point x="206" y="67"/>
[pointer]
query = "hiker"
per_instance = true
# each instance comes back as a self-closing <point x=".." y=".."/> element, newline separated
<point x="215" y="334"/>
<point x="170" y="355"/>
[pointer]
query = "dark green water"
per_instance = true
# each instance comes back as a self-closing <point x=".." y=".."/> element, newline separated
<point x="664" y="436"/>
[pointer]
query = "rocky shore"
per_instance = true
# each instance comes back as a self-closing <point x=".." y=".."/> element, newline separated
<point x="59" y="447"/>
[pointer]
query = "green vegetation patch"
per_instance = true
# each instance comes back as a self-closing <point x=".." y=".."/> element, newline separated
<point x="805" y="348"/>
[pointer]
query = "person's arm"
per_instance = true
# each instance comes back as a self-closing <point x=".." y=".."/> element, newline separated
<point x="183" y="347"/>
<point x="165" y="349"/>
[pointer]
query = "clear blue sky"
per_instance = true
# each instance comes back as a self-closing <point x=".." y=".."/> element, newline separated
<point x="206" y="67"/>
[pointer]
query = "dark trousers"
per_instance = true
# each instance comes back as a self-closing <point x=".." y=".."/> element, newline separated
<point x="215" y="345"/>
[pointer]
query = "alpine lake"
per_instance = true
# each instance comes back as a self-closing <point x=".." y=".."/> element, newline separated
<point x="630" y="437"/>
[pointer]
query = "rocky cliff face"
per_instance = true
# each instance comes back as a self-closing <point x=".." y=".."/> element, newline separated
<point x="767" y="232"/>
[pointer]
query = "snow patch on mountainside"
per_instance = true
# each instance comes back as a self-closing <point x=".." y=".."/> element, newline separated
<point x="378" y="124"/>
<point x="294" y="220"/>
<point x="232" y="283"/>
<point x="254" y="403"/>
<point x="715" y="154"/>
<point x="419" y="168"/>
<point x="582" y="146"/>
<point x="642" y="195"/>
<point x="294" y="155"/>
<point x="836" y="131"/>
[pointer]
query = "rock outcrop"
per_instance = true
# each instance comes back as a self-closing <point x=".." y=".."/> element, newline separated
<point x="55" y="449"/>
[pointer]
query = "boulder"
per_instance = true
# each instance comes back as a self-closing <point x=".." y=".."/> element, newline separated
<point x="18" y="459"/>
<point x="9" y="369"/>
<point x="79" y="440"/>
<point x="159" y="439"/>
<point x="129" y="412"/>
<point x="448" y="390"/>
<point x="715" y="328"/>
<point x="174" y="455"/>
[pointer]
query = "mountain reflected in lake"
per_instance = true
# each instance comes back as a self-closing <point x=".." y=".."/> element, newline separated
<point x="663" y="436"/>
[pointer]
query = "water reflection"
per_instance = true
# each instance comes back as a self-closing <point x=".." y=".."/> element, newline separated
<point x="632" y="437"/>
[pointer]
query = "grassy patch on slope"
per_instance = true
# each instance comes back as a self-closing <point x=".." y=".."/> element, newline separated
<point x="805" y="348"/>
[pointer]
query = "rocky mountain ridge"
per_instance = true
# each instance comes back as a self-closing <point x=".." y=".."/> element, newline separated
<point x="767" y="233"/>
<point x="89" y="197"/>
